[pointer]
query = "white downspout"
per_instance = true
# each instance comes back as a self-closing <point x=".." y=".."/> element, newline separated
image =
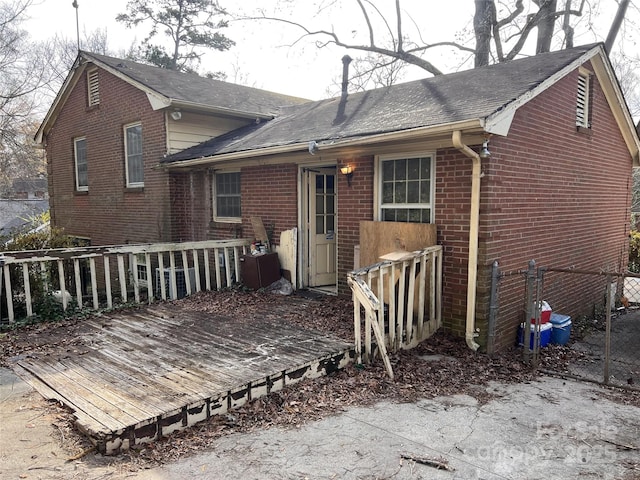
<point x="474" y="220"/>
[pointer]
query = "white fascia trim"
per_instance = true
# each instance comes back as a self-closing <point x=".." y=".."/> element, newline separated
<point x="326" y="145"/>
<point x="613" y="93"/>
<point x="500" y="122"/>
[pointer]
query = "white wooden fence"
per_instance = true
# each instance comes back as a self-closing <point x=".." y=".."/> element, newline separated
<point x="401" y="301"/>
<point x="99" y="277"/>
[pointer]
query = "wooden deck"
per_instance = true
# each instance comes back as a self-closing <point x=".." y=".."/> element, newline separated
<point x="147" y="373"/>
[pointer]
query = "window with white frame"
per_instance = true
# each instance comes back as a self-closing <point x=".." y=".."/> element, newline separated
<point x="406" y="188"/>
<point x="226" y="197"/>
<point x="583" y="102"/>
<point x="93" y="88"/>
<point x="80" y="159"/>
<point x="133" y="155"/>
<point x="138" y="268"/>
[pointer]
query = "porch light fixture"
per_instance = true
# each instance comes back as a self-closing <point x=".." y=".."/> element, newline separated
<point x="176" y="115"/>
<point x="484" y="151"/>
<point x="347" y="171"/>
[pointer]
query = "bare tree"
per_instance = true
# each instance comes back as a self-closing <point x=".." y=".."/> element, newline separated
<point x="502" y="30"/>
<point x="23" y="70"/>
<point x="63" y="52"/>
<point x="370" y="71"/>
<point x="627" y="70"/>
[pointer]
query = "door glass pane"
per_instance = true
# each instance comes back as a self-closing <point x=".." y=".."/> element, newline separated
<point x="319" y="203"/>
<point x="319" y="184"/>
<point x="331" y="223"/>
<point x="319" y="223"/>
<point x="331" y="180"/>
<point x="331" y="204"/>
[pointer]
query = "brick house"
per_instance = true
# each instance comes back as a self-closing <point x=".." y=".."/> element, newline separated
<point x="140" y="154"/>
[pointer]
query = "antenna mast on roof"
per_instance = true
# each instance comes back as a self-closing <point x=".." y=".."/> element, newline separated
<point x="75" y="5"/>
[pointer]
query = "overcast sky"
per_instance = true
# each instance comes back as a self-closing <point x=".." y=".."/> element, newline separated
<point x="262" y="57"/>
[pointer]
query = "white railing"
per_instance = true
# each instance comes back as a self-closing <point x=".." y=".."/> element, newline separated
<point x="100" y="277"/>
<point x="401" y="300"/>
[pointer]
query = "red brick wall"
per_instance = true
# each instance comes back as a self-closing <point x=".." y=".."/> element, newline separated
<point x="557" y="196"/>
<point x="355" y="203"/>
<point x="549" y="193"/>
<point x="269" y="192"/>
<point x="190" y="205"/>
<point x="109" y="213"/>
<point x="453" y="205"/>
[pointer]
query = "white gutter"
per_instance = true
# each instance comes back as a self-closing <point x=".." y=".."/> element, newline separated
<point x="474" y="221"/>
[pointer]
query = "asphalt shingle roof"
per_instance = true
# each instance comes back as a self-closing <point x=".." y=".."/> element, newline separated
<point x="204" y="91"/>
<point x="444" y="99"/>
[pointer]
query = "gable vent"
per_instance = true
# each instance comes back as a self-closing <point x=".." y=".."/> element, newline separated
<point x="94" y="88"/>
<point x="582" y="105"/>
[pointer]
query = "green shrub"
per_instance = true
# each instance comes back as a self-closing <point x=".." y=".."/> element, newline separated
<point x="45" y="307"/>
<point x="634" y="251"/>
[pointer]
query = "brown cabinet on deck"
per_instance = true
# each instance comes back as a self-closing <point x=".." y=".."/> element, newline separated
<point x="259" y="271"/>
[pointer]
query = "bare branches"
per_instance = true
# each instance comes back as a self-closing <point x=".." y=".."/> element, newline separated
<point x="23" y="70"/>
<point x="502" y="29"/>
<point x="500" y="34"/>
<point x="331" y="38"/>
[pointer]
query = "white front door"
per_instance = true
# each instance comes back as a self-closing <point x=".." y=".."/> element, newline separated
<point x="321" y="228"/>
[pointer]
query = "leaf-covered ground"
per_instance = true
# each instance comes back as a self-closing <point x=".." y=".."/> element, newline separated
<point x="442" y="365"/>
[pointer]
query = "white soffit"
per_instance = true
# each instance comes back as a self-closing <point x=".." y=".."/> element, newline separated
<point x="500" y="124"/>
<point x="156" y="101"/>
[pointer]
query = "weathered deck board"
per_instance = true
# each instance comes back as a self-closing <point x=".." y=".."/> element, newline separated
<point x="146" y="373"/>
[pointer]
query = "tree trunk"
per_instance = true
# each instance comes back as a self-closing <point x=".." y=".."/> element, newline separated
<point x="566" y="26"/>
<point x="546" y="24"/>
<point x="615" y="26"/>
<point x="482" y="26"/>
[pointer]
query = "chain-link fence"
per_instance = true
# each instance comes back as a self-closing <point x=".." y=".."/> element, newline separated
<point x="593" y="328"/>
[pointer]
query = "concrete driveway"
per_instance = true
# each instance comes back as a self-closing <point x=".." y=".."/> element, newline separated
<point x="547" y="429"/>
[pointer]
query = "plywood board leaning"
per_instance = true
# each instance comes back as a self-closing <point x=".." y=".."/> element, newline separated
<point x="393" y="241"/>
<point x="380" y="238"/>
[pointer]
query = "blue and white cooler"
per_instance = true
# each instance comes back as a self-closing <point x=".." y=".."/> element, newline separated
<point x="545" y="335"/>
<point x="561" y="328"/>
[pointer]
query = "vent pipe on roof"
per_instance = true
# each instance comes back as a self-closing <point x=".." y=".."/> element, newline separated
<point x="346" y="60"/>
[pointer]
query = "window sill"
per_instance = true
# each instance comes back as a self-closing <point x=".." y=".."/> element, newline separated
<point x="227" y="220"/>
<point x="584" y="130"/>
<point x="91" y="108"/>
<point x="81" y="193"/>
<point x="134" y="190"/>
